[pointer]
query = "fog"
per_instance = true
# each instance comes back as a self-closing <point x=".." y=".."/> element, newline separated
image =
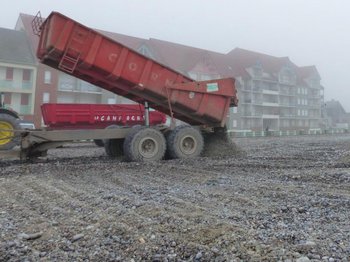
<point x="309" y="32"/>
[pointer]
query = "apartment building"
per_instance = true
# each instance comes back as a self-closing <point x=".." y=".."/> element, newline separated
<point x="275" y="94"/>
<point x="336" y="115"/>
<point x="17" y="73"/>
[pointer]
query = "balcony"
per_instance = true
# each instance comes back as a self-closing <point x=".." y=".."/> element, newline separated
<point x="257" y="102"/>
<point x="16" y="85"/>
<point x="287" y="116"/>
<point x="79" y="88"/>
<point x="287" y="104"/>
<point x="287" y="93"/>
<point x="27" y="85"/>
<point x="25" y="110"/>
<point x="270" y="104"/>
<point x="270" y="92"/>
<point x="268" y="116"/>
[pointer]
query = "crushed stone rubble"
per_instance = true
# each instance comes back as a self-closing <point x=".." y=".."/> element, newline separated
<point x="277" y="199"/>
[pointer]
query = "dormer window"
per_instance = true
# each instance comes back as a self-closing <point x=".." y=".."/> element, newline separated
<point x="287" y="76"/>
<point x="143" y="49"/>
<point x="315" y="82"/>
<point x="257" y="69"/>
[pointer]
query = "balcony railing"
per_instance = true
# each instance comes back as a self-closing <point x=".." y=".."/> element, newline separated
<point x="287" y="93"/>
<point x="287" y="104"/>
<point x="270" y="92"/>
<point x="84" y="88"/>
<point x="11" y="84"/>
<point x="270" y="103"/>
<point x="27" y="85"/>
<point x="25" y="109"/>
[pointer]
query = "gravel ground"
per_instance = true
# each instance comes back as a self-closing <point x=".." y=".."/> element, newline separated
<point x="285" y="199"/>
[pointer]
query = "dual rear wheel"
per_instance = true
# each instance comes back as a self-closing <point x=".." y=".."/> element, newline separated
<point x="144" y="144"/>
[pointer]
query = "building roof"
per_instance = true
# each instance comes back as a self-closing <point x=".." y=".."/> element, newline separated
<point x="24" y="23"/>
<point x="334" y="108"/>
<point x="15" y="48"/>
<point x="130" y="41"/>
<point x="307" y="71"/>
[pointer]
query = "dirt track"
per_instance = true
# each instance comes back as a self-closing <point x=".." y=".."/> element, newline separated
<point x="288" y="198"/>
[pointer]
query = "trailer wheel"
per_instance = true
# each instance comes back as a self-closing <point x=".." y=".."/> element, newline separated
<point x="9" y="137"/>
<point x="113" y="147"/>
<point x="144" y="144"/>
<point x="184" y="142"/>
<point x="99" y="142"/>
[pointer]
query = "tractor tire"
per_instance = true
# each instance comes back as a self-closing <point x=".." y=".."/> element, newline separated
<point x="184" y="142"/>
<point x="144" y="144"/>
<point x="99" y="142"/>
<point x="9" y="134"/>
<point x="113" y="147"/>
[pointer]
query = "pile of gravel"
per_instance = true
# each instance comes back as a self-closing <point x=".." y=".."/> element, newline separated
<point x="219" y="144"/>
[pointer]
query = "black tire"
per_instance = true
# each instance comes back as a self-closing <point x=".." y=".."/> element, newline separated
<point x="9" y="132"/>
<point x="184" y="142"/>
<point x="99" y="142"/>
<point x="144" y="144"/>
<point x="113" y="147"/>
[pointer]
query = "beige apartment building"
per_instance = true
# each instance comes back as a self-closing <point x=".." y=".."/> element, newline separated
<point x="17" y="73"/>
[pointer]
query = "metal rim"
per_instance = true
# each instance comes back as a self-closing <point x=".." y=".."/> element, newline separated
<point x="188" y="145"/>
<point x="148" y="147"/>
<point x="6" y="132"/>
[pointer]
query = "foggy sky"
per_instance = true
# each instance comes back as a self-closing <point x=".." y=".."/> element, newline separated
<point x="309" y="32"/>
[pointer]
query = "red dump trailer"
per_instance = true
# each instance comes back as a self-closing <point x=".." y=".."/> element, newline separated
<point x="63" y="116"/>
<point x="82" y="52"/>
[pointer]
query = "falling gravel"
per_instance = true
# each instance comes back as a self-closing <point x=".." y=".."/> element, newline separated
<point x="283" y="199"/>
<point x="220" y="144"/>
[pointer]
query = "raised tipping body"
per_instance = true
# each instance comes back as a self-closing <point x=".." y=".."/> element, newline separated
<point x="89" y="55"/>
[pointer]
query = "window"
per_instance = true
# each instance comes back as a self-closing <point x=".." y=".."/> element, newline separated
<point x="9" y="73"/>
<point x="145" y="51"/>
<point x="7" y="98"/>
<point x="194" y="75"/>
<point x="26" y="75"/>
<point x="46" y="97"/>
<point x="47" y="77"/>
<point x="111" y="101"/>
<point x="257" y="71"/>
<point x="24" y="99"/>
<point x="234" y="123"/>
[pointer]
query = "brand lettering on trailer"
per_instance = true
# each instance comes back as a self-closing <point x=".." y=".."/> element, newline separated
<point x="134" y="118"/>
<point x="118" y="118"/>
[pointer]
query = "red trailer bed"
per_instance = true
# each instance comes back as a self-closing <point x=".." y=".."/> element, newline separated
<point x="89" y="55"/>
<point x="96" y="116"/>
